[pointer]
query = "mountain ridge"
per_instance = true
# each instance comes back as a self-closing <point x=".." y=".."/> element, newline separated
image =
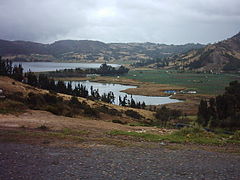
<point x="217" y="57"/>
<point x="88" y="50"/>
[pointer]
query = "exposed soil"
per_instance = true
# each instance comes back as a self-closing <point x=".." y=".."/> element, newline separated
<point x="35" y="118"/>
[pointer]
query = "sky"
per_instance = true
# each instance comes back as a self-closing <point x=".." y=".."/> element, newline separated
<point x="159" y="21"/>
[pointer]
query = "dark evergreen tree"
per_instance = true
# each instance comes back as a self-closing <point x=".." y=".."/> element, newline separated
<point x="203" y="114"/>
<point x="17" y="73"/>
<point x="31" y="79"/>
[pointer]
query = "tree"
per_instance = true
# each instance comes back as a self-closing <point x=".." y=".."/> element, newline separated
<point x="31" y="79"/>
<point x="203" y="114"/>
<point x="222" y="111"/>
<point x="165" y="114"/>
<point x="17" y="73"/>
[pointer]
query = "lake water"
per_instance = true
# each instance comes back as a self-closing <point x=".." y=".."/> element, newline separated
<point x="53" y="66"/>
<point x="102" y="87"/>
<point x="116" y="88"/>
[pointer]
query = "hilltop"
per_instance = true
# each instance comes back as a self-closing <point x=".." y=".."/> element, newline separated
<point x="221" y="56"/>
<point x="89" y="51"/>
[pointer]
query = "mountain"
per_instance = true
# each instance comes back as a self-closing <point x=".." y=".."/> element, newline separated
<point x="221" y="56"/>
<point x="86" y="50"/>
<point x="22" y="47"/>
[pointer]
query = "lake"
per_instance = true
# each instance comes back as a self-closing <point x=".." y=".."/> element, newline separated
<point x="53" y="66"/>
<point x="117" y="88"/>
<point x="102" y="87"/>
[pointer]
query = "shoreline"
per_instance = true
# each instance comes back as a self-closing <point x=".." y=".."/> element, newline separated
<point x="189" y="104"/>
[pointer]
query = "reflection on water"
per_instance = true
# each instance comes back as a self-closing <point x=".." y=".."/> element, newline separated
<point x="116" y="88"/>
<point x="53" y="66"/>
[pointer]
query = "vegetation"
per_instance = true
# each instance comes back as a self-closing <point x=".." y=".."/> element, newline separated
<point x="164" y="115"/>
<point x="103" y="70"/>
<point x="233" y="64"/>
<point x="186" y="135"/>
<point x="43" y="82"/>
<point x="11" y="106"/>
<point x="131" y="103"/>
<point x="6" y="69"/>
<point x="133" y="114"/>
<point x="222" y="111"/>
<point x="203" y="83"/>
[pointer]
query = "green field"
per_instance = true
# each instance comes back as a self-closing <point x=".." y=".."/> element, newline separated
<point x="203" y="83"/>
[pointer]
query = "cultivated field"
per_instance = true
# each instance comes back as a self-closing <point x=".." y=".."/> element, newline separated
<point x="203" y="83"/>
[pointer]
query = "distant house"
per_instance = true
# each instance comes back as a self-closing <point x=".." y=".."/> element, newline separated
<point x="191" y="92"/>
<point x="188" y="92"/>
<point x="170" y="92"/>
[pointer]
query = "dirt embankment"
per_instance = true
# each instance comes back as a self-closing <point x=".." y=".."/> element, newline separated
<point x="37" y="127"/>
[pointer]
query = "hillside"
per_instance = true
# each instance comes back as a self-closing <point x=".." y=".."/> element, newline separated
<point x="221" y="56"/>
<point x="89" y="51"/>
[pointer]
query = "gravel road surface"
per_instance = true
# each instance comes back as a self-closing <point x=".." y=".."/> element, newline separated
<point x="24" y="161"/>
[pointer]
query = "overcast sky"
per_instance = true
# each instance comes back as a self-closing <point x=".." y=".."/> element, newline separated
<point x="161" y="21"/>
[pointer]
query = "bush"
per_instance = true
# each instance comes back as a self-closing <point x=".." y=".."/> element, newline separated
<point x="91" y="111"/>
<point x="52" y="98"/>
<point x="133" y="114"/>
<point x="17" y="96"/>
<point x="118" y="121"/>
<point x="165" y="114"/>
<point x="35" y="101"/>
<point x="59" y="109"/>
<point x="105" y="109"/>
<point x="10" y="106"/>
<point x="236" y="135"/>
<point x="191" y="130"/>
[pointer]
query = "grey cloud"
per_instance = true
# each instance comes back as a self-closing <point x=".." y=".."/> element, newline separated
<point x="163" y="21"/>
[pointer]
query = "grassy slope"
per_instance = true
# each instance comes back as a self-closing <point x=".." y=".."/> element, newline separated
<point x="204" y="83"/>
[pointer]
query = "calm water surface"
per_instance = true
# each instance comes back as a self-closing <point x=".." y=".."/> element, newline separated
<point x="53" y="66"/>
<point x="102" y="87"/>
<point x="117" y="88"/>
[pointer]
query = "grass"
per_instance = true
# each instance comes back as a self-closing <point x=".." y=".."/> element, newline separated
<point x="203" y="83"/>
<point x="140" y="124"/>
<point x="110" y="141"/>
<point x="77" y="136"/>
<point x="25" y="135"/>
<point x="67" y="131"/>
<point x="186" y="135"/>
<point x="11" y="107"/>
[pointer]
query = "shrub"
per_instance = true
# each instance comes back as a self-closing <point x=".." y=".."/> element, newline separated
<point x="165" y="114"/>
<point x="190" y="130"/>
<point x="16" y="96"/>
<point x="59" y="109"/>
<point x="118" y="121"/>
<point x="35" y="101"/>
<point x="133" y="114"/>
<point x="10" y="106"/>
<point x="236" y="135"/>
<point x="107" y="110"/>
<point x="52" y="98"/>
<point x="91" y="111"/>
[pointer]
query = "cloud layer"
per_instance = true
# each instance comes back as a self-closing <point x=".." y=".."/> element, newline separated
<point x="162" y="21"/>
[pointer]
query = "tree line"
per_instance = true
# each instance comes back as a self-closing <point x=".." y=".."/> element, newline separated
<point x="44" y="82"/>
<point x="104" y="69"/>
<point x="222" y="111"/>
<point x="7" y="69"/>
